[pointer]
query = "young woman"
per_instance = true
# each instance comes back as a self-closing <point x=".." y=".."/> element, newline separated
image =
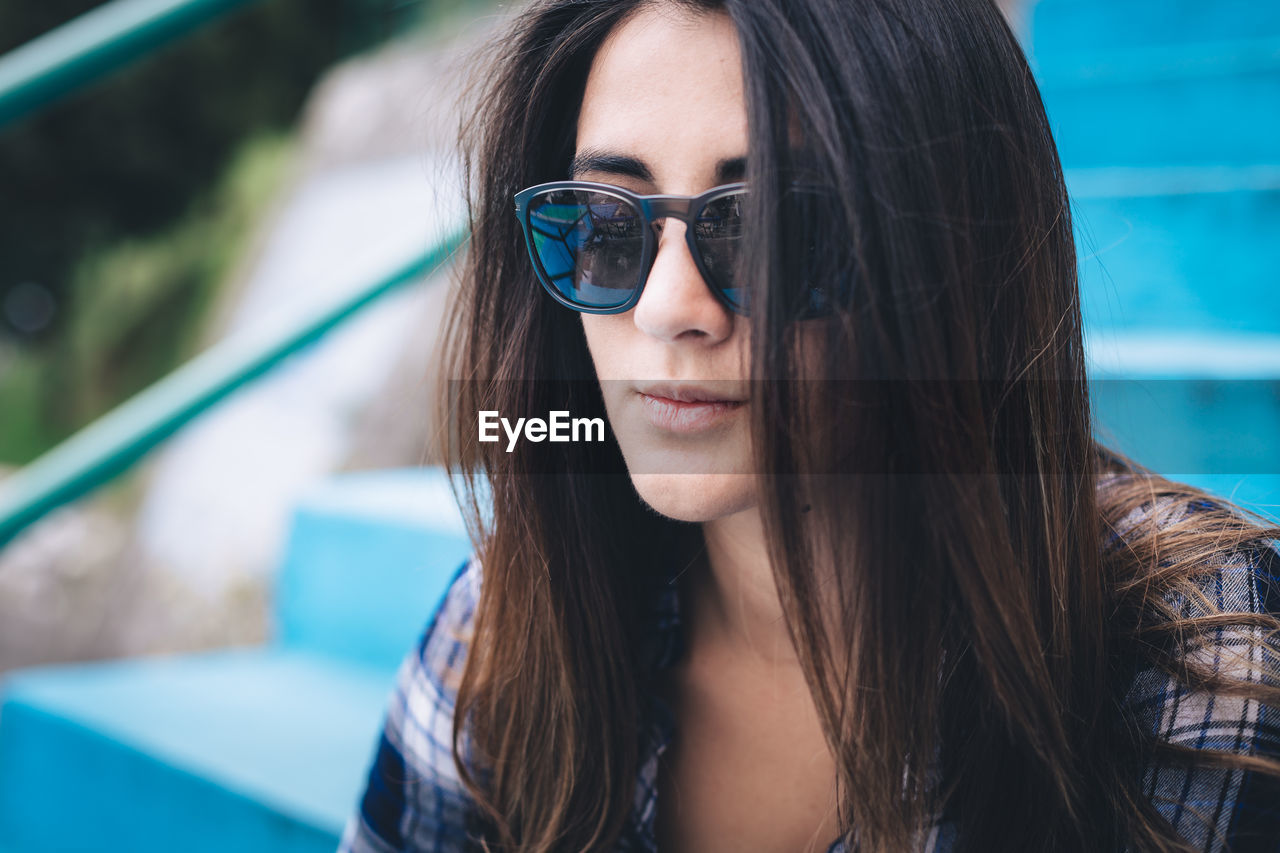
<point x="848" y="570"/>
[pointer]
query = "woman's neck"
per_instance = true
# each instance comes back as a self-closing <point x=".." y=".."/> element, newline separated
<point x="734" y="604"/>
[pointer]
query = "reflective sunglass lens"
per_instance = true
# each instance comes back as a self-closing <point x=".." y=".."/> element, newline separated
<point x="589" y="244"/>
<point x="718" y="235"/>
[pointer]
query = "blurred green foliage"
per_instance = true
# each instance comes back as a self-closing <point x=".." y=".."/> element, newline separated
<point x="127" y="155"/>
<point x="122" y="206"/>
<point x="136" y="307"/>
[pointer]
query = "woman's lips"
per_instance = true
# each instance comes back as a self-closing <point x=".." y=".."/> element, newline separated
<point x="687" y="416"/>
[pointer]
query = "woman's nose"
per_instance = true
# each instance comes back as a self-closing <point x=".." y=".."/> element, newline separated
<point x="676" y="303"/>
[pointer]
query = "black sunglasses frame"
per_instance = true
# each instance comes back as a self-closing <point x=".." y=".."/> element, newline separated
<point x="652" y="208"/>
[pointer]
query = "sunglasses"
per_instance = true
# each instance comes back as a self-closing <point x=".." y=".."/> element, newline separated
<point x="592" y="245"/>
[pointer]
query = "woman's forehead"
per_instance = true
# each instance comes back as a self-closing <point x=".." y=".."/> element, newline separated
<point x="665" y="89"/>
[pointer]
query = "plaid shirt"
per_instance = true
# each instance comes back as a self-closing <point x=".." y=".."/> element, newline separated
<point x="415" y="801"/>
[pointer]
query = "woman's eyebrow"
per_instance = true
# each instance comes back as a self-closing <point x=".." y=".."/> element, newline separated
<point x="731" y="169"/>
<point x="597" y="160"/>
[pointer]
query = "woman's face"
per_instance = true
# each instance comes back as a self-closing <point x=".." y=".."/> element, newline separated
<point x="664" y="112"/>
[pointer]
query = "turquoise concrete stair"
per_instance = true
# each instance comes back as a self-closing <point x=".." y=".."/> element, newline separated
<point x="1186" y="105"/>
<point x="235" y="751"/>
<point x="1165" y="115"/>
<point x="1160" y="82"/>
<point x="1068" y="27"/>
<point x="1179" y="249"/>
<point x="257" y="749"/>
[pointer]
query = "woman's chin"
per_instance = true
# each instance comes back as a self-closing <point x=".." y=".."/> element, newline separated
<point x="696" y="497"/>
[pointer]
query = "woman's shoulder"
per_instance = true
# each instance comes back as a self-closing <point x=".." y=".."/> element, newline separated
<point x="1200" y="628"/>
<point x="427" y="684"/>
<point x="442" y="649"/>
<point x="1205" y="696"/>
<point x="415" y="798"/>
<point x="1179" y="555"/>
<point x="1184" y="556"/>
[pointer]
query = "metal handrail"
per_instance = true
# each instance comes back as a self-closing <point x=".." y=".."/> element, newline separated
<point x="93" y="45"/>
<point x="111" y="444"/>
<point x="38" y="73"/>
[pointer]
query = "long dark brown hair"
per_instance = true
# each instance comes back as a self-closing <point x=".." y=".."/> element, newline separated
<point x="989" y="615"/>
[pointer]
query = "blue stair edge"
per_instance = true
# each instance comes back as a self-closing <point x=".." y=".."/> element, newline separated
<point x="1062" y="26"/>
<point x="1157" y="63"/>
<point x="261" y="748"/>
<point x="369" y="555"/>
<point x="250" y="749"/>
<point x="1178" y="252"/>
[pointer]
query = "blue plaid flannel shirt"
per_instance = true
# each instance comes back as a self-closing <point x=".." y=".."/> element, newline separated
<point x="414" y="800"/>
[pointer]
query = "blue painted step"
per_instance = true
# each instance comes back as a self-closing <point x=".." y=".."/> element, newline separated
<point x="1182" y="314"/>
<point x="1194" y="421"/>
<point x="366" y="563"/>
<point x="1068" y="26"/>
<point x="258" y="750"/>
<point x="1183" y="321"/>
<point x="1209" y="104"/>
<point x="1182" y="250"/>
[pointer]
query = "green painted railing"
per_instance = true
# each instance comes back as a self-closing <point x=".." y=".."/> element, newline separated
<point x="53" y="65"/>
<point x="111" y="444"/>
<point x="93" y="45"/>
